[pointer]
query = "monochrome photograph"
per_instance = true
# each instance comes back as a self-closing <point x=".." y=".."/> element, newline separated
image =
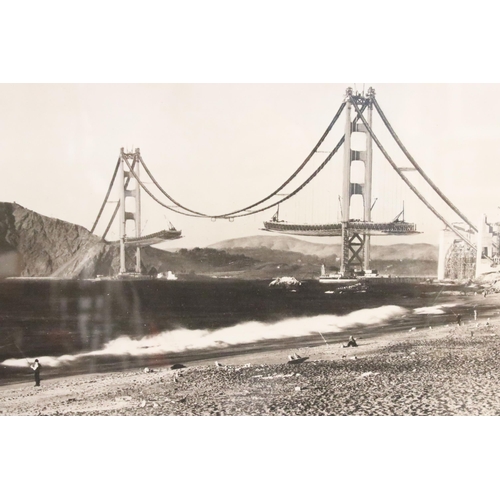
<point x="282" y="214"/>
<point x="249" y="249"/>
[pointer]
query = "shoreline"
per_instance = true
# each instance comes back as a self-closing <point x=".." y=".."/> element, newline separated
<point x="272" y="351"/>
<point x="263" y="383"/>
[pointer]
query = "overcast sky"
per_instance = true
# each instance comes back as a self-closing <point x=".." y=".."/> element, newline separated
<point x="219" y="147"/>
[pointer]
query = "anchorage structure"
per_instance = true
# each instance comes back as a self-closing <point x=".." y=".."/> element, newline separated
<point x="460" y="261"/>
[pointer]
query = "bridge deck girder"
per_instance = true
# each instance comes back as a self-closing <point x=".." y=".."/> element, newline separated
<point x="370" y="228"/>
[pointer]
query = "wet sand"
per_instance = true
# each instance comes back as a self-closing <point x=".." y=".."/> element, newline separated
<point x="448" y="370"/>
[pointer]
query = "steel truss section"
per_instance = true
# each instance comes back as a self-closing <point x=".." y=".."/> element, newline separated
<point x="460" y="262"/>
<point x="356" y="250"/>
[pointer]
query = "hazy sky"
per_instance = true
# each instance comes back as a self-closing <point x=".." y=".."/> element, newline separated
<point x="219" y="147"/>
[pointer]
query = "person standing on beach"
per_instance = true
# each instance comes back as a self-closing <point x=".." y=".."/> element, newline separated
<point x="36" y="367"/>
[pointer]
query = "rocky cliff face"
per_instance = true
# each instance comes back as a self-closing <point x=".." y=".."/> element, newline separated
<point x="47" y="247"/>
<point x="33" y="245"/>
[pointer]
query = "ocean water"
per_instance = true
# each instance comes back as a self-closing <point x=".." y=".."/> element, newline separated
<point x="86" y="326"/>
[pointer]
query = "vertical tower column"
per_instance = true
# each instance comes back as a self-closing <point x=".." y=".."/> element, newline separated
<point x="346" y="186"/>
<point x="137" y="210"/>
<point x="367" y="192"/>
<point x="123" y="221"/>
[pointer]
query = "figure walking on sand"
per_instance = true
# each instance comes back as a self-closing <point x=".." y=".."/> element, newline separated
<point x="36" y="367"/>
<point x="352" y="342"/>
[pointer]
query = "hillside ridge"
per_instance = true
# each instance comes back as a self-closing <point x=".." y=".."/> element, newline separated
<point x="413" y="251"/>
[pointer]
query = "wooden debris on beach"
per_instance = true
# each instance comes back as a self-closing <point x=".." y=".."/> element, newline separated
<point x="295" y="359"/>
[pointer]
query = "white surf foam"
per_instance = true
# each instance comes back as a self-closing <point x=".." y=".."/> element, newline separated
<point x="429" y="310"/>
<point x="183" y="340"/>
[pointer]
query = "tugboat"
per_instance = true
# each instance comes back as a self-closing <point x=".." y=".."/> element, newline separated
<point x="368" y="274"/>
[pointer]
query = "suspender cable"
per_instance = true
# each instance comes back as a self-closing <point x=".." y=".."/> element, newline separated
<point x="299" y="169"/>
<point x="107" y="196"/>
<point x="406" y="180"/>
<point x="417" y="167"/>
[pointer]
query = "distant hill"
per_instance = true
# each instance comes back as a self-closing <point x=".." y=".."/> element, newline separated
<point x="400" y="251"/>
<point x="282" y="243"/>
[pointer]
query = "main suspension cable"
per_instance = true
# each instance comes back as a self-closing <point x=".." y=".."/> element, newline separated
<point x="299" y="169"/>
<point x="118" y="204"/>
<point x="304" y="163"/>
<point x="248" y="213"/>
<point x="156" y="183"/>
<point x="231" y="215"/>
<point x="309" y="179"/>
<point x="111" y="220"/>
<point x="419" y="169"/>
<point x="107" y="195"/>
<point x="406" y="180"/>
<point x="156" y="199"/>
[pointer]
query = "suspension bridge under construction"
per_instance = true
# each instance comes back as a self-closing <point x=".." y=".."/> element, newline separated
<point x="466" y="250"/>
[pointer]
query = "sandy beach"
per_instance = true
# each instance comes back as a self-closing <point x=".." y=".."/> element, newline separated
<point x="448" y="370"/>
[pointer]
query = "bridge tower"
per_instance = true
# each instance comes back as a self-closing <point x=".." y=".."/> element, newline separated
<point x="356" y="242"/>
<point x="129" y="211"/>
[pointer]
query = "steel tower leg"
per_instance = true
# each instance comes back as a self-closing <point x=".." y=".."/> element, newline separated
<point x="367" y="192"/>
<point x="346" y="186"/>
<point x="137" y="211"/>
<point x="123" y="221"/>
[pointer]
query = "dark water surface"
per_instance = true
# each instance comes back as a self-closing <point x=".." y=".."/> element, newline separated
<point x="49" y="318"/>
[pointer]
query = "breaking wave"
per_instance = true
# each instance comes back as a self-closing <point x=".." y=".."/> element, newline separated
<point x="433" y="309"/>
<point x="183" y="340"/>
<point x="428" y="310"/>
